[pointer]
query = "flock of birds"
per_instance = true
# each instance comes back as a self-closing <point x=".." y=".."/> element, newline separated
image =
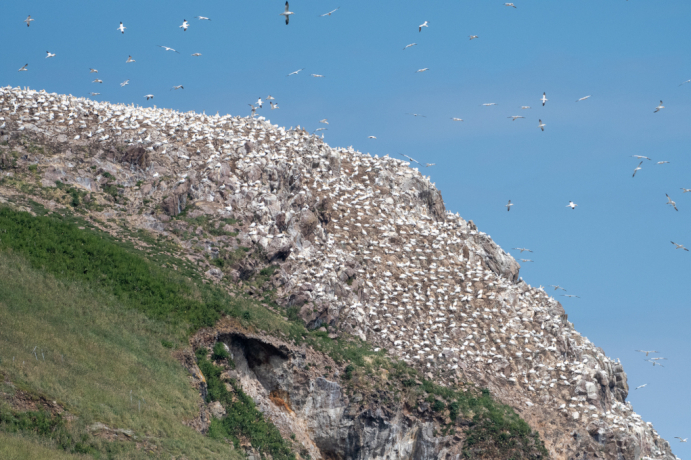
<point x="259" y="104"/>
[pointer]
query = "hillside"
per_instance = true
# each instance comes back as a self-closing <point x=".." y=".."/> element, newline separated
<point x="271" y="295"/>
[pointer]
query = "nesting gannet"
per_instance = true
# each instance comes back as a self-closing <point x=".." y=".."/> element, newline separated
<point x="472" y="37"/>
<point x="544" y="98"/>
<point x="202" y="18"/>
<point x="28" y="20"/>
<point x="197" y="54"/>
<point x="422" y="70"/>
<point x="540" y="124"/>
<point x="167" y="48"/>
<point x="638" y="168"/>
<point x="121" y="28"/>
<point x="149" y="96"/>
<point x="510" y="4"/>
<point x="49" y="54"/>
<point x="456" y="119"/>
<point x="329" y="13"/>
<point x="680" y="439"/>
<point x="129" y="59"/>
<point x="670" y="202"/>
<point x="24" y="68"/>
<point x="508" y="205"/>
<point x="124" y="83"/>
<point x="177" y="87"/>
<point x="424" y="24"/>
<point x="677" y="246"/>
<point x="184" y="25"/>
<point x="640" y="386"/>
<point x="659" y="107"/>
<point x="408" y="46"/>
<point x="522" y="250"/>
<point x="286" y="13"/>
<point x="295" y="73"/>
<point x="97" y="81"/>
<point x="647" y="352"/>
<point x="515" y="117"/>
<point x="583" y="99"/>
<point x="640" y="157"/>
<point x="571" y="205"/>
<point x="556" y="286"/>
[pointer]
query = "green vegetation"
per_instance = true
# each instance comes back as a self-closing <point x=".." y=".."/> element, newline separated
<point x="21" y="447"/>
<point x="243" y="418"/>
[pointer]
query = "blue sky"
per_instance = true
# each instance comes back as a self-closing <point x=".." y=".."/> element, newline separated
<point x="613" y="251"/>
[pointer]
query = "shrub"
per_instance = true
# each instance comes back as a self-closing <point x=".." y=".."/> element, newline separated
<point x="348" y="372"/>
<point x="219" y="352"/>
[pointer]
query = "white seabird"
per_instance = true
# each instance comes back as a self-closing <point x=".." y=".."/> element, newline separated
<point x="287" y="13"/>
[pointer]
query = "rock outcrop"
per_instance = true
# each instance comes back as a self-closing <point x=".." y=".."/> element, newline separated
<point x="362" y="245"/>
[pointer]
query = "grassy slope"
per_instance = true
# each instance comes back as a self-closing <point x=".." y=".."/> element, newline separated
<point x="14" y="447"/>
<point x="96" y="352"/>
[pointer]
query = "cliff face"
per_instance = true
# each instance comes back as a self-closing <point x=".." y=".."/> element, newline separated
<point x="362" y="245"/>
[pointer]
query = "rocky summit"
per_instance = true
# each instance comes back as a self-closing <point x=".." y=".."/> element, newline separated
<point x="358" y="248"/>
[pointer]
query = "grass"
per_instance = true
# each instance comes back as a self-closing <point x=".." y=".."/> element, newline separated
<point x="16" y="447"/>
<point x="91" y="352"/>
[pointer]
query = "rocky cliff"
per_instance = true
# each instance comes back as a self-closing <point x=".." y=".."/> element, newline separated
<point x="350" y="244"/>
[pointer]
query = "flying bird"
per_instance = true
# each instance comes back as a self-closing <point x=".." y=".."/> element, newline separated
<point x="259" y="102"/>
<point x="325" y="121"/>
<point x="202" y="18"/>
<point x="670" y="202"/>
<point x="472" y="37"/>
<point x="177" y="87"/>
<point x="677" y="246"/>
<point x="49" y="54"/>
<point x="544" y="98"/>
<point x="662" y="162"/>
<point x="427" y="165"/>
<point x="638" y="168"/>
<point x="655" y="363"/>
<point x="422" y="70"/>
<point x="316" y="75"/>
<point x="273" y="106"/>
<point x="570" y="295"/>
<point x="28" y="20"/>
<point x="415" y="114"/>
<point x="515" y="117"/>
<point x="659" y="107"/>
<point x="94" y="94"/>
<point x="571" y="205"/>
<point x="295" y="73"/>
<point x="124" y="83"/>
<point x="167" y="48"/>
<point x="129" y="59"/>
<point x="640" y="157"/>
<point x="488" y="104"/>
<point x="184" y="25"/>
<point x="508" y="206"/>
<point x="329" y="13"/>
<point x="684" y="190"/>
<point x="583" y="99"/>
<point x="411" y="159"/>
<point x="541" y="125"/>
<point x="680" y="439"/>
<point x="149" y="96"/>
<point x="640" y="386"/>
<point x="93" y="70"/>
<point x="687" y="81"/>
<point x="408" y="46"/>
<point x="510" y="4"/>
<point x="316" y="130"/>
<point x="526" y="260"/>
<point x="647" y="352"/>
<point x="456" y="119"/>
<point x="24" y="68"/>
<point x="556" y="286"/>
<point x="525" y="107"/>
<point x="97" y="81"/>
<point x="371" y="137"/>
<point x="522" y="250"/>
<point x="424" y="24"/>
<point x="197" y="54"/>
<point x="286" y="13"/>
<point x="121" y="28"/>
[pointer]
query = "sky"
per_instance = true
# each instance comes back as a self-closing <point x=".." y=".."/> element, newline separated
<point x="613" y="250"/>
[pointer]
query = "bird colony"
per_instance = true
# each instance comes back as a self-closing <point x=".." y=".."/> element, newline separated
<point x="364" y="245"/>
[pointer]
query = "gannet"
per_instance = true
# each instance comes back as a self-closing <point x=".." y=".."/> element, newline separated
<point x="97" y="81"/>
<point x="295" y="73"/>
<point x="540" y="124"/>
<point x="49" y="54"/>
<point x="680" y="439"/>
<point x="669" y="201"/>
<point x="286" y="13"/>
<point x="678" y="246"/>
<point x="556" y="286"/>
<point x="570" y="295"/>
<point x="325" y="121"/>
<point x="427" y="165"/>
<point x="659" y="107"/>
<point x="167" y="48"/>
<point x="522" y="250"/>
<point x="684" y="190"/>
<point x="329" y="13"/>
<point x="184" y="25"/>
<point x="662" y="162"/>
<point x="515" y="117"/>
<point x="273" y="106"/>
<point x="93" y="70"/>
<point x="638" y="168"/>
<point x="202" y="18"/>
<point x="646" y="351"/>
<point x="544" y="98"/>
<point x="526" y="260"/>
<point x="473" y="37"/>
<point x="583" y="99"/>
<point x="125" y="83"/>
<point x="408" y="46"/>
<point x="525" y="107"/>
<point x="149" y="96"/>
<point x="129" y="59"/>
<point x="510" y="4"/>
<point x="24" y="68"/>
<point x="424" y="24"/>
<point x="177" y="87"/>
<point x="571" y="205"/>
<point x="508" y="207"/>
<point x="316" y="75"/>
<point x="28" y="20"/>
<point x="640" y="386"/>
<point x="457" y="119"/>
<point x="640" y="157"/>
<point x="121" y="28"/>
<point x="197" y="54"/>
<point x="422" y="70"/>
<point x="371" y="137"/>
